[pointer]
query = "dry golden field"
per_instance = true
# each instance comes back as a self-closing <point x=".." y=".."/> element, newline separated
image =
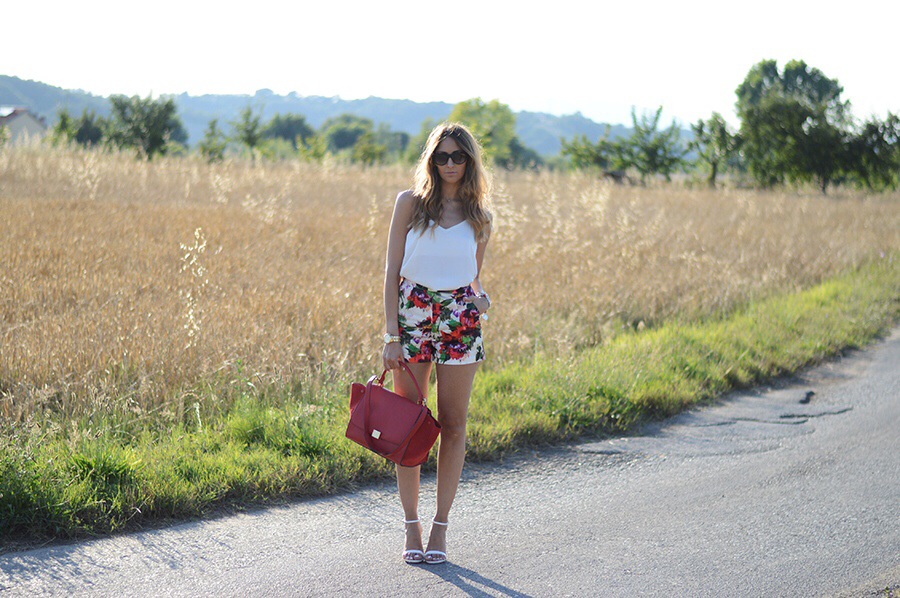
<point x="145" y="287"/>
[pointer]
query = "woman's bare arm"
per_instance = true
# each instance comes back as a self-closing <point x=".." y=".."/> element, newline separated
<point x="392" y="354"/>
<point x="481" y="304"/>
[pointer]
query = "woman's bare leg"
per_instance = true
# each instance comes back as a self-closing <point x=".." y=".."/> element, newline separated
<point x="454" y="387"/>
<point x="408" y="477"/>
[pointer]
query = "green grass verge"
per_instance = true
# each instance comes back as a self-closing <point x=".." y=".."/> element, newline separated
<point x="71" y="479"/>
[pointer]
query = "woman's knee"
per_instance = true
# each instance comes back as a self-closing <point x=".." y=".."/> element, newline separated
<point x="453" y="430"/>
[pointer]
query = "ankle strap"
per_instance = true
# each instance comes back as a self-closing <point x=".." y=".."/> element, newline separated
<point x="436" y="522"/>
<point x="410" y="521"/>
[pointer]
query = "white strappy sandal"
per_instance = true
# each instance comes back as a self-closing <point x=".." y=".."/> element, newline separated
<point x="413" y="556"/>
<point x="436" y="557"/>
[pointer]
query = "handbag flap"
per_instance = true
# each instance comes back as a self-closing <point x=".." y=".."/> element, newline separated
<point x="397" y="428"/>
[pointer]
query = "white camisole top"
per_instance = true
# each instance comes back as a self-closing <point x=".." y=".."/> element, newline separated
<point x="441" y="259"/>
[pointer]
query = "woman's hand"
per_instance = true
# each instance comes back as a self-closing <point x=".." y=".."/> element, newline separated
<point x="392" y="356"/>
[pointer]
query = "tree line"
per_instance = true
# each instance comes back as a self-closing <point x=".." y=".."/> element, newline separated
<point x="794" y="128"/>
<point x="151" y="127"/>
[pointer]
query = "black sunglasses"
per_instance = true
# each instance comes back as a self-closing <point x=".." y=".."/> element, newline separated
<point x="458" y="157"/>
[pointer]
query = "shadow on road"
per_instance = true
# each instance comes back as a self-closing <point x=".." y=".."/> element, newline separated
<point x="55" y="565"/>
<point x="472" y="583"/>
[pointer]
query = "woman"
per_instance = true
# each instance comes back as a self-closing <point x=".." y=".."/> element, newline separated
<point x="433" y="304"/>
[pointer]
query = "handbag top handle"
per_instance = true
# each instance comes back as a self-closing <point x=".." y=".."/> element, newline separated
<point x="422" y="398"/>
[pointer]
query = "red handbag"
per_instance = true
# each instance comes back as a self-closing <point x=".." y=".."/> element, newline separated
<point x="398" y="429"/>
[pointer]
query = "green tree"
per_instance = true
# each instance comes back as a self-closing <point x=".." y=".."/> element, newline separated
<point x="417" y="144"/>
<point x="785" y="140"/>
<point x="86" y="130"/>
<point x="651" y="150"/>
<point x="367" y="150"/>
<point x="178" y="135"/>
<point x="793" y="124"/>
<point x="214" y="142"/>
<point x="394" y="142"/>
<point x="343" y="131"/>
<point x="276" y="149"/>
<point x="4" y="135"/>
<point x="714" y="144"/>
<point x="143" y="123"/>
<point x="247" y="130"/>
<point x="874" y="153"/>
<point x="607" y="154"/>
<point x="314" y="149"/>
<point x="582" y="153"/>
<point x="771" y="132"/>
<point x="805" y="84"/>
<point x="825" y="158"/>
<point x="90" y="128"/>
<point x="492" y="123"/>
<point x="63" y="130"/>
<point x="293" y="128"/>
<point x="521" y="156"/>
<point x="648" y="149"/>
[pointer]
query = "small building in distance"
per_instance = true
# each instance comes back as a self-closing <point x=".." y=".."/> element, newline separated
<point x="22" y="125"/>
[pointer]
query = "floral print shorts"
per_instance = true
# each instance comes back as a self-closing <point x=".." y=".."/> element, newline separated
<point x="439" y="326"/>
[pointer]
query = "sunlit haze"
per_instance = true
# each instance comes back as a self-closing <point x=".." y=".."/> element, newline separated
<point x="559" y="57"/>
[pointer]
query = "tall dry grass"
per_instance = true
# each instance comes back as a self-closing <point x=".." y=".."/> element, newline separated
<point x="145" y="287"/>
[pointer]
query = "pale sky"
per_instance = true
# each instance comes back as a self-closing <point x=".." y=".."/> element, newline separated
<point x="556" y="56"/>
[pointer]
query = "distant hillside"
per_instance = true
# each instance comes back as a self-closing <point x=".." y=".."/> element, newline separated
<point x="542" y="131"/>
<point x="45" y="100"/>
<point x="539" y="131"/>
<point x="399" y="115"/>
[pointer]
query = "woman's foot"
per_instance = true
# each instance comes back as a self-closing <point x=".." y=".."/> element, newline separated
<point x="413" y="553"/>
<point x="437" y="544"/>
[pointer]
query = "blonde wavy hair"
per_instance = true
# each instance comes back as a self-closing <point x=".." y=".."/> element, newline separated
<point x="474" y="189"/>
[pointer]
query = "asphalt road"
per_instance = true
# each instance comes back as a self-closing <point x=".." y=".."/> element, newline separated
<point x="758" y="495"/>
